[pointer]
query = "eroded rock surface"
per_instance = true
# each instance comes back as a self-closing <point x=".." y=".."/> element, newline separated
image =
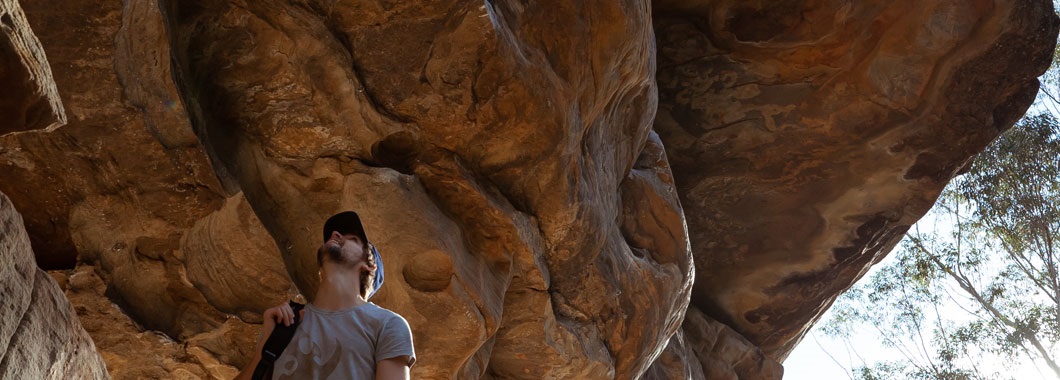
<point x="29" y="100"/>
<point x="131" y="352"/>
<point x="806" y="137"/>
<point x="40" y="335"/>
<point x="708" y="349"/>
<point x="495" y="148"/>
<point x="537" y="219"/>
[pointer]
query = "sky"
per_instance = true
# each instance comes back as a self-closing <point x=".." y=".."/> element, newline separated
<point x="820" y="357"/>
<point x="811" y="361"/>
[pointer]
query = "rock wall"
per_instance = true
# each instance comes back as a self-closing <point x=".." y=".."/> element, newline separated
<point x="30" y="100"/>
<point x="40" y="335"/>
<point x="493" y="148"/>
<point x="669" y="189"/>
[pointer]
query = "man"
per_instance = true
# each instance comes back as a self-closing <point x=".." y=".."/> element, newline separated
<point x="341" y="334"/>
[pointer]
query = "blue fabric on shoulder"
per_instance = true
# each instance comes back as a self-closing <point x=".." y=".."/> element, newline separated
<point x="378" y="272"/>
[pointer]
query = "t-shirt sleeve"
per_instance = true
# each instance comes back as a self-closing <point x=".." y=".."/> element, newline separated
<point x="395" y="340"/>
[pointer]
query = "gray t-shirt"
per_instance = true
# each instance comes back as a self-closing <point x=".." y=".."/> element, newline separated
<point x="344" y="344"/>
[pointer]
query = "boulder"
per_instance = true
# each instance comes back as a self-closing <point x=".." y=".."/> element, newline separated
<point x="40" y="335"/>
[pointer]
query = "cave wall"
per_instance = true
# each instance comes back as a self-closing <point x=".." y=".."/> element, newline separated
<point x="30" y="100"/>
<point x="669" y="189"/>
<point x="495" y="150"/>
<point x="40" y="334"/>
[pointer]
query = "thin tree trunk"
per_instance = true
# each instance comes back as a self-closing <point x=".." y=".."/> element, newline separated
<point x="997" y="314"/>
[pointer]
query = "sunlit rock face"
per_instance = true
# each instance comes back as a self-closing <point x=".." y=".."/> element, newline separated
<point x="501" y="156"/>
<point x="539" y="177"/>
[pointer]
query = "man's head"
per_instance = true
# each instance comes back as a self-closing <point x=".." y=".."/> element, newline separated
<point x="345" y="223"/>
<point x="346" y="243"/>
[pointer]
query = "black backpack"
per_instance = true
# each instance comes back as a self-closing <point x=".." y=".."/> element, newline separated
<point x="277" y="342"/>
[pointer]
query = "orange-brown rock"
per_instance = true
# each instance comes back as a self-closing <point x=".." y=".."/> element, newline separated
<point x="807" y="136"/>
<point x="708" y="349"/>
<point x="29" y="100"/>
<point x="494" y="146"/>
<point x="131" y="352"/>
<point x="40" y="335"/>
<point x="509" y="163"/>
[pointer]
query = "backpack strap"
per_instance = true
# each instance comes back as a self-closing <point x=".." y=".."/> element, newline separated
<point x="276" y="343"/>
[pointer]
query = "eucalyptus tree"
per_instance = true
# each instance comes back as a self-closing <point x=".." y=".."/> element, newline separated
<point x="975" y="286"/>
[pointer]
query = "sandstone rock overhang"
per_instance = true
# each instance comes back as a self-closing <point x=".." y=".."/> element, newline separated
<point x="806" y="137"/>
<point x="552" y="185"/>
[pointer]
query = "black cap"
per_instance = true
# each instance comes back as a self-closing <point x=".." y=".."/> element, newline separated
<point x="346" y="222"/>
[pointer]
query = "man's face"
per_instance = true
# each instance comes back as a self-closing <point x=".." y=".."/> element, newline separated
<point x="350" y="245"/>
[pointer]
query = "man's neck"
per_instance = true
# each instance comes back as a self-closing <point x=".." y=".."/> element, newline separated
<point x="339" y="290"/>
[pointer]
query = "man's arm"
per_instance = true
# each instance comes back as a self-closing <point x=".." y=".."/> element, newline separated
<point x="248" y="370"/>
<point x="393" y="368"/>
<point x="394" y="352"/>
<point x="281" y="313"/>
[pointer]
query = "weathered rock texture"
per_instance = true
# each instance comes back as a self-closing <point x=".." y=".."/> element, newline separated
<point x="40" y="336"/>
<point x="490" y="148"/>
<point x="133" y="353"/>
<point x="708" y="349"/>
<point x="510" y="165"/>
<point x="29" y="100"/>
<point x="807" y="136"/>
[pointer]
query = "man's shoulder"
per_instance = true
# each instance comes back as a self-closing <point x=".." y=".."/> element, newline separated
<point x="382" y="312"/>
<point x="387" y="317"/>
